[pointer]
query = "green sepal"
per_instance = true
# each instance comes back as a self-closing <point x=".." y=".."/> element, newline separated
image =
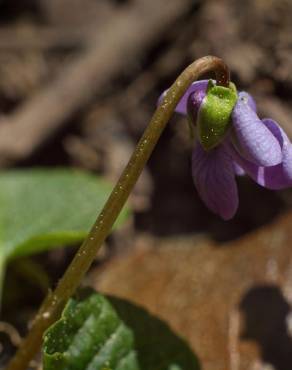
<point x="214" y="116"/>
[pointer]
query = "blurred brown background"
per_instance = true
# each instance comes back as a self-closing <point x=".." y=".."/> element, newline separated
<point x="79" y="81"/>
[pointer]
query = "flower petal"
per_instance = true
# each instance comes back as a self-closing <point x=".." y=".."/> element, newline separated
<point x="253" y="139"/>
<point x="250" y="100"/>
<point x="277" y="131"/>
<point x="239" y="171"/>
<point x="194" y="103"/>
<point x="214" y="177"/>
<point x="286" y="146"/>
<point x="182" y="105"/>
<point x="273" y="177"/>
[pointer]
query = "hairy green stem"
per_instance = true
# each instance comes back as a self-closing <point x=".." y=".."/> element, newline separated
<point x="55" y="301"/>
<point x="2" y="275"/>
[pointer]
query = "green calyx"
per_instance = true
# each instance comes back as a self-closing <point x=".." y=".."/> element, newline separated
<point x="214" y="116"/>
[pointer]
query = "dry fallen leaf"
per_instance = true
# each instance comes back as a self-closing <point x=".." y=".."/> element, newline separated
<point x="214" y="295"/>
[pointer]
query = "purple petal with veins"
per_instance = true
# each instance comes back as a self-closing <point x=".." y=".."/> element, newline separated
<point x="249" y="99"/>
<point x="286" y="146"/>
<point x="273" y="177"/>
<point x="252" y="138"/>
<point x="214" y="177"/>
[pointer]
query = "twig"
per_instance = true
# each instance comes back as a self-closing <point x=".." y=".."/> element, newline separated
<point x="42" y="38"/>
<point x="125" y="38"/>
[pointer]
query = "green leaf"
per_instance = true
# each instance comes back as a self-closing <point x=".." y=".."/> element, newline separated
<point x="158" y="347"/>
<point x="41" y="208"/>
<point x="89" y="336"/>
<point x="98" y="333"/>
<point x="214" y="116"/>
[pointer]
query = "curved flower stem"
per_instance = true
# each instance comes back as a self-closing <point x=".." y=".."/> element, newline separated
<point x="55" y="301"/>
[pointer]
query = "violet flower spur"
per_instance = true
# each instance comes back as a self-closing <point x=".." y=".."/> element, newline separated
<point x="246" y="145"/>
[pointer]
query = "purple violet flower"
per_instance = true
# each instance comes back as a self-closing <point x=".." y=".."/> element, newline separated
<point x="258" y="148"/>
